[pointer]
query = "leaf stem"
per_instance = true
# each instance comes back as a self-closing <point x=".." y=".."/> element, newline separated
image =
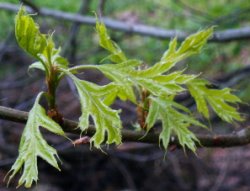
<point x="51" y="88"/>
<point x="52" y="83"/>
<point x="142" y="108"/>
<point x="82" y="67"/>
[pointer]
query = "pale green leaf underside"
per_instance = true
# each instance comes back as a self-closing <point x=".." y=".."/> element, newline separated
<point x="33" y="145"/>
<point x="218" y="99"/>
<point x="120" y="75"/>
<point x="175" y="120"/>
<point x="106" y="120"/>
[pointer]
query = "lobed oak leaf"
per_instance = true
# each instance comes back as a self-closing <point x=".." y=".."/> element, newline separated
<point x="33" y="145"/>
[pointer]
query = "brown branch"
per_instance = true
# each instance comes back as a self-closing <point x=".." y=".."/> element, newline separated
<point x="144" y="30"/>
<point x="239" y="138"/>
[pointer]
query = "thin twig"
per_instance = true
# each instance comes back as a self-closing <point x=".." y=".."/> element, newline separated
<point x="144" y="30"/>
<point x="239" y="138"/>
<point x="195" y="11"/>
<point x="71" y="44"/>
<point x="101" y="7"/>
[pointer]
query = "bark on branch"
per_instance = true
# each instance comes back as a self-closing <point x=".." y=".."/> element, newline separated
<point x="144" y="30"/>
<point x="239" y="138"/>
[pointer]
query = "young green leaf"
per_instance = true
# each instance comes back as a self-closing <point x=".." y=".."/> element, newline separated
<point x="153" y="115"/>
<point x="28" y="35"/>
<point x="116" y="56"/>
<point x="33" y="145"/>
<point x="191" y="45"/>
<point x="36" y="65"/>
<point x="125" y="77"/>
<point x="125" y="73"/>
<point x="51" y="55"/>
<point x="164" y="84"/>
<point x="120" y="75"/>
<point x="175" y="119"/>
<point x="106" y="120"/>
<point x="38" y="45"/>
<point x="218" y="99"/>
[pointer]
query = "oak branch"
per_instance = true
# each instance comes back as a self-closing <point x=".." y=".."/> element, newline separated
<point x="239" y="138"/>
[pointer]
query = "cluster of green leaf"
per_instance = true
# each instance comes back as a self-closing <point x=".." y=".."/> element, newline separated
<point x="128" y="78"/>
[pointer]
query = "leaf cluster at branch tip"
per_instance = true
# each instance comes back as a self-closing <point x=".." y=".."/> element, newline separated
<point x="128" y="80"/>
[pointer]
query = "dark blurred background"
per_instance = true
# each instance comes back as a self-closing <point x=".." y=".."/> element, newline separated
<point x="131" y="166"/>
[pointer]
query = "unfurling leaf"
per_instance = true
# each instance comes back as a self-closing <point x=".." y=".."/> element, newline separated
<point x="106" y="120"/>
<point x="33" y="145"/>
<point x="165" y="84"/>
<point x="28" y="35"/>
<point x="116" y="55"/>
<point x="191" y="45"/>
<point x="175" y="120"/>
<point x="36" y="65"/>
<point x="40" y="46"/>
<point x="218" y="99"/>
<point x="120" y="74"/>
<point x="127" y="75"/>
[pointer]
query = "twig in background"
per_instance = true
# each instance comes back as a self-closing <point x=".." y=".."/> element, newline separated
<point x="144" y="30"/>
<point x="31" y="4"/>
<point x="70" y="47"/>
<point x="101" y="7"/>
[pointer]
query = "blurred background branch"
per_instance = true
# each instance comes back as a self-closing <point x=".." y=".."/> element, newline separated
<point x="219" y="36"/>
